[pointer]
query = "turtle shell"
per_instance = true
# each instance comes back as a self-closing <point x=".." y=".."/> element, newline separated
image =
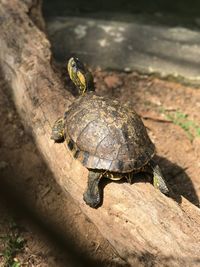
<point x="106" y="135"/>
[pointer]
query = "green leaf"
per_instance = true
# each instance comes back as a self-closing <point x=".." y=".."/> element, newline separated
<point x="198" y="131"/>
<point x="16" y="264"/>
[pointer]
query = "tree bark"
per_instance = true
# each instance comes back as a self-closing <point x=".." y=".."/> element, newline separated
<point x="137" y="220"/>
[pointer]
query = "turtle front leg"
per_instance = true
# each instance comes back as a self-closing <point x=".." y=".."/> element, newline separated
<point x="57" y="133"/>
<point x="92" y="195"/>
<point x="158" y="179"/>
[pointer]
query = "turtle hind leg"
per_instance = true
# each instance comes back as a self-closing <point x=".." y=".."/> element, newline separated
<point x="57" y="133"/>
<point x="92" y="195"/>
<point x="158" y="179"/>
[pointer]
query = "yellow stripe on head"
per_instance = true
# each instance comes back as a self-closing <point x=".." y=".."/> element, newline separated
<point x="70" y="68"/>
<point x="82" y="82"/>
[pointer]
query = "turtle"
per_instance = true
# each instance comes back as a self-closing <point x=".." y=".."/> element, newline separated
<point x="108" y="138"/>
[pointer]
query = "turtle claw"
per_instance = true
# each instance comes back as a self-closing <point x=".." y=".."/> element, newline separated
<point x="158" y="180"/>
<point x="92" y="194"/>
<point x="91" y="201"/>
<point x="129" y="177"/>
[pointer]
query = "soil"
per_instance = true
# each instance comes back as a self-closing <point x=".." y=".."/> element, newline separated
<point x="54" y="230"/>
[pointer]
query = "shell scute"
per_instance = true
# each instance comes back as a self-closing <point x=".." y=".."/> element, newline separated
<point x="113" y="135"/>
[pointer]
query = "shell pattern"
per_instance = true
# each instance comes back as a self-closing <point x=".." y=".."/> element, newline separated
<point x="105" y="135"/>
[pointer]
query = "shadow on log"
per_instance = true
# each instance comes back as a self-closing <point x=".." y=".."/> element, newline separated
<point x="137" y="220"/>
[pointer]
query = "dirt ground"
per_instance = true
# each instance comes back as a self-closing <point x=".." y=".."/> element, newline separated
<point x="42" y="226"/>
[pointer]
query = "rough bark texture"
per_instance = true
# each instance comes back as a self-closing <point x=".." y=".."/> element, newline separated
<point x="136" y="219"/>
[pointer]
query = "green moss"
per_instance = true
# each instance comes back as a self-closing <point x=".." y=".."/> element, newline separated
<point x="13" y="244"/>
<point x="181" y="119"/>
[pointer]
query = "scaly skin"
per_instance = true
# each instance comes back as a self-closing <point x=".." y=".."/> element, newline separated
<point x="92" y="195"/>
<point x="58" y="131"/>
<point x="158" y="179"/>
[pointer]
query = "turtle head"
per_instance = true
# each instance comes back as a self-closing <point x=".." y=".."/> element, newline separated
<point x="80" y="75"/>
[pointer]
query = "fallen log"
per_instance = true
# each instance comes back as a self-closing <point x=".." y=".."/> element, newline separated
<point x="139" y="222"/>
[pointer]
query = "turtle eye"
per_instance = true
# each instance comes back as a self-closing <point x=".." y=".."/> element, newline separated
<point x="73" y="65"/>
